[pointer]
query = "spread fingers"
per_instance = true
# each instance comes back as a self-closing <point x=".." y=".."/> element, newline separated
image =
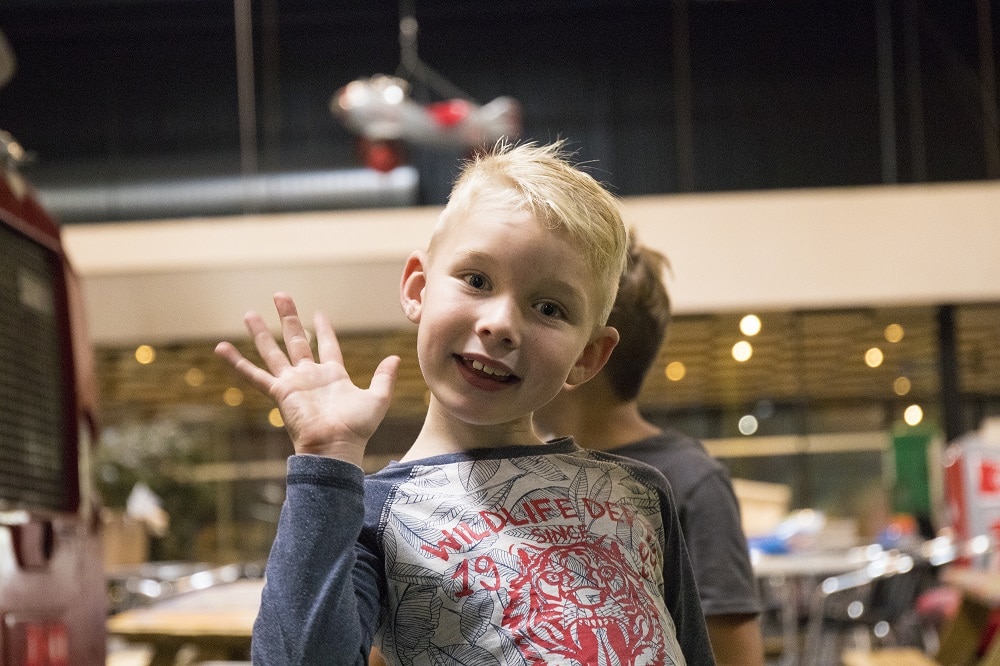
<point x="296" y="339"/>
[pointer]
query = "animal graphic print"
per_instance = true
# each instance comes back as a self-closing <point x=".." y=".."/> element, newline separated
<point x="582" y="602"/>
<point x="544" y="560"/>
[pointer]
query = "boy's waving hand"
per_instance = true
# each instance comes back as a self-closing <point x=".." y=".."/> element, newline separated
<point x="324" y="412"/>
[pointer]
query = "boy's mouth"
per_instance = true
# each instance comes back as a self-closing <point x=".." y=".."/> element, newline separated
<point x="486" y="371"/>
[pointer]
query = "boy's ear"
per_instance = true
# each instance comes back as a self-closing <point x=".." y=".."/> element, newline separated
<point x="594" y="356"/>
<point x="411" y="286"/>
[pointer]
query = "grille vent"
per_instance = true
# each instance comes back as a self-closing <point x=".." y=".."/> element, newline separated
<point x="32" y="377"/>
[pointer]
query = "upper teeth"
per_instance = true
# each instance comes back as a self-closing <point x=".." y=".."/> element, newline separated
<point x="476" y="365"/>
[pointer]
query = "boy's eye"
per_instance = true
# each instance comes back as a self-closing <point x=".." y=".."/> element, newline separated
<point x="476" y="281"/>
<point x="550" y="309"/>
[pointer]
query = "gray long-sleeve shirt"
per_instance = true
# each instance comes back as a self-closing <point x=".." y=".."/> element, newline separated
<point x="519" y="555"/>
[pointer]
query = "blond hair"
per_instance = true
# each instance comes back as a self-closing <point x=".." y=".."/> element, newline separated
<point x="541" y="179"/>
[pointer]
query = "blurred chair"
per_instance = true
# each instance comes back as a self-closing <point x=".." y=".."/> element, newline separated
<point x="942" y="550"/>
<point x="893" y="601"/>
<point x="868" y="607"/>
<point x="936" y="605"/>
<point x="140" y="586"/>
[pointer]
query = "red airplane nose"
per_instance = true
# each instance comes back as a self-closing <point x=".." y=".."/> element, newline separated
<point x="450" y="112"/>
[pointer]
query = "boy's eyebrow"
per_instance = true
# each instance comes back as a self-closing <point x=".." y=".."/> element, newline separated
<point x="472" y="255"/>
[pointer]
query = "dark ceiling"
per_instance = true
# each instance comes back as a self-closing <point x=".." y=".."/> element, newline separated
<point x="659" y="96"/>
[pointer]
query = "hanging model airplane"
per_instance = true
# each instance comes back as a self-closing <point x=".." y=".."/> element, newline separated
<point x="384" y="116"/>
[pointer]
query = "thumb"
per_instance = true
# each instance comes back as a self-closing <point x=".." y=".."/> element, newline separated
<point x="384" y="380"/>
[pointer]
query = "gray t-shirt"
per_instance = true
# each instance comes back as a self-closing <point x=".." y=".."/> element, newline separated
<point x="710" y="519"/>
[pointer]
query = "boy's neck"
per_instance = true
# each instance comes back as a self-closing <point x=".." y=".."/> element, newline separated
<point x="441" y="434"/>
<point x="612" y="426"/>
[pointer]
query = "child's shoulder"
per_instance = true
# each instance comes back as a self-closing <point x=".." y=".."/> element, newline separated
<point x="643" y="472"/>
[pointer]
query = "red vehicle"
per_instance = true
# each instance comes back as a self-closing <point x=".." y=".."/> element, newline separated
<point x="52" y="587"/>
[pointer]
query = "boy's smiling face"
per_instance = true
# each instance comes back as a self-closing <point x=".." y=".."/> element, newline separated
<point x="507" y="314"/>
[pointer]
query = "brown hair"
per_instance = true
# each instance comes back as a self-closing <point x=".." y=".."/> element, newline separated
<point x="641" y="313"/>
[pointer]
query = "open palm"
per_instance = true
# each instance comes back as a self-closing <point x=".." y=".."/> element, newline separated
<point x="324" y="412"/>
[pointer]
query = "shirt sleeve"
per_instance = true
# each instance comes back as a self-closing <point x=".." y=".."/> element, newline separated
<point x="718" y="548"/>
<point x="681" y="592"/>
<point x="320" y="599"/>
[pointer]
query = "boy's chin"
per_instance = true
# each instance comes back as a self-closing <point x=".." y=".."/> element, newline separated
<point x="487" y="411"/>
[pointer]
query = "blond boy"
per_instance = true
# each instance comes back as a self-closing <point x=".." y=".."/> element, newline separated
<point x="483" y="544"/>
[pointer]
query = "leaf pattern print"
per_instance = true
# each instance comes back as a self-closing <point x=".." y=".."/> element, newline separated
<point x="477" y="616"/>
<point x="412" y="530"/>
<point x="626" y="534"/>
<point x="461" y="655"/>
<point x="511" y="653"/>
<point x="542" y="467"/>
<point x="427" y="477"/>
<point x="474" y="475"/>
<point x="416" y="575"/>
<point x="583" y="459"/>
<point x="417" y="614"/>
<point x="635" y="486"/>
<point x="601" y="489"/>
<point x="487" y="494"/>
<point x="406" y="497"/>
<point x="507" y="562"/>
<point x="649" y="504"/>
<point x="494" y="496"/>
<point x="447" y="512"/>
<point x="579" y="488"/>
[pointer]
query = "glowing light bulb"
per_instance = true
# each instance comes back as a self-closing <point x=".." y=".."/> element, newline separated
<point x="748" y="424"/>
<point x="750" y="325"/>
<point x="874" y="357"/>
<point x="675" y="371"/>
<point x="913" y="415"/>
<point x="894" y="333"/>
<point x="194" y="377"/>
<point x="901" y="385"/>
<point x="742" y="351"/>
<point x="232" y="396"/>
<point x="145" y="354"/>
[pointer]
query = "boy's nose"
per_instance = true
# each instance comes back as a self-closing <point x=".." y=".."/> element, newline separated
<point x="499" y="322"/>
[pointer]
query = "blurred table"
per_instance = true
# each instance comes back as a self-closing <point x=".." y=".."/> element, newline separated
<point x="217" y="621"/>
<point x="809" y="564"/>
<point x="793" y="576"/>
<point x="963" y="634"/>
